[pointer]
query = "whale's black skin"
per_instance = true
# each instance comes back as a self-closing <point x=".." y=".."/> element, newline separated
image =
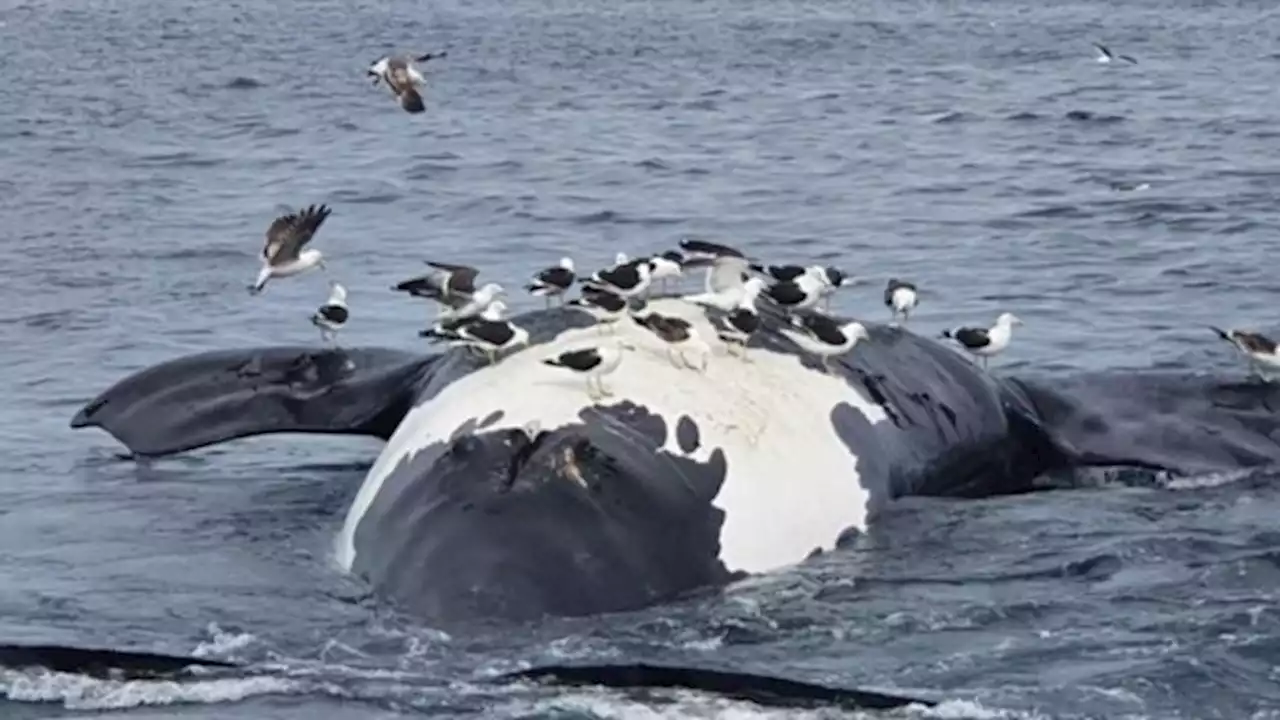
<point x="103" y="664"/>
<point x="764" y="690"/>
<point x="593" y="517"/>
<point x="213" y="397"/>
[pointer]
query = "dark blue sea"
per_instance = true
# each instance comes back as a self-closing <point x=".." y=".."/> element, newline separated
<point x="973" y="146"/>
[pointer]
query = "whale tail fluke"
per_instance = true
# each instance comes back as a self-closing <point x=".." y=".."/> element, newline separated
<point x="208" y="398"/>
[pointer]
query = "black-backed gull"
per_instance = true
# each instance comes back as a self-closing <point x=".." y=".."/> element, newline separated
<point x="740" y="324"/>
<point x="488" y="332"/>
<point x="606" y="307"/>
<point x="679" y="336"/>
<point x="669" y="264"/>
<point x="333" y="314"/>
<point x="627" y="280"/>
<point x="1260" y="350"/>
<point x="553" y="281"/>
<point x="825" y="336"/>
<point x="802" y="293"/>
<point x="398" y="72"/>
<point x="283" y="254"/>
<point x="594" y="363"/>
<point x="474" y="304"/>
<point x="901" y="298"/>
<point x="985" y="342"/>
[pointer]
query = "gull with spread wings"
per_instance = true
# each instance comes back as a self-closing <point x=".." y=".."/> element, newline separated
<point x="284" y="253"/>
<point x="398" y="72"/>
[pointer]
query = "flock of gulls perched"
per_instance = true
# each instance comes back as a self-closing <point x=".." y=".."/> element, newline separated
<point x="474" y="317"/>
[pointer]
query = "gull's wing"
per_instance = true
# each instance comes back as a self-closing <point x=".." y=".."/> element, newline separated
<point x="289" y="233"/>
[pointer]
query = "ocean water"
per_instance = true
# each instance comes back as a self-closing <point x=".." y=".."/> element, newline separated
<point x="974" y="147"/>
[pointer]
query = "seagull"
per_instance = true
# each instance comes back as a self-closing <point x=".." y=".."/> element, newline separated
<point x="1259" y="349"/>
<point x="983" y="342"/>
<point x="1105" y="56"/>
<point x="678" y="334"/>
<point x="667" y="265"/>
<point x="606" y="307"/>
<point x="403" y="78"/>
<point x="701" y="252"/>
<point x="901" y="298"/>
<point x="283" y="255"/>
<point x="488" y="332"/>
<point x="448" y="284"/>
<point x="803" y="293"/>
<point x="627" y="280"/>
<point x="727" y="269"/>
<point x="824" y="336"/>
<point x="594" y="362"/>
<point x="332" y="316"/>
<point x="743" y="321"/>
<point x="786" y="273"/>
<point x="553" y="281"/>
<point x="475" y="304"/>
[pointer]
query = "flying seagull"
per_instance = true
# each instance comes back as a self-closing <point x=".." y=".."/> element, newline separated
<point x="403" y="78"/>
<point x="446" y="283"/>
<point x="1259" y="349"/>
<point x="1105" y="56"/>
<point x="283" y="255"/>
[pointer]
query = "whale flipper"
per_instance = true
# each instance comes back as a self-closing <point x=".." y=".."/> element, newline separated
<point x="760" y="689"/>
<point x="102" y="663"/>
<point x="212" y="397"/>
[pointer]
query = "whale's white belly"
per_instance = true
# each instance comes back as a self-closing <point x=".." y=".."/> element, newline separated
<point x="792" y="484"/>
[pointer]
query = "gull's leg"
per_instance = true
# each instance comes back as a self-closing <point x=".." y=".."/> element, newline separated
<point x="606" y="392"/>
<point x="493" y="356"/>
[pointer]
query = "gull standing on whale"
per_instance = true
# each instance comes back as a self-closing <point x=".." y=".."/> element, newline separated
<point x="332" y="316"/>
<point x="594" y="363"/>
<point x="488" y="332"/>
<point x="824" y="336"/>
<point x="283" y="255"/>
<point x="626" y="281"/>
<point x="985" y="342"/>
<point x="802" y="293"/>
<point x="738" y="326"/>
<point x="475" y="304"/>
<point x="669" y="264"/>
<point x="1260" y="350"/>
<point x="553" y="281"/>
<point x="901" y="298"/>
<point x="727" y="271"/>
<point x="606" y="307"/>
<point x="678" y="334"/>
<point x="398" y="72"/>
